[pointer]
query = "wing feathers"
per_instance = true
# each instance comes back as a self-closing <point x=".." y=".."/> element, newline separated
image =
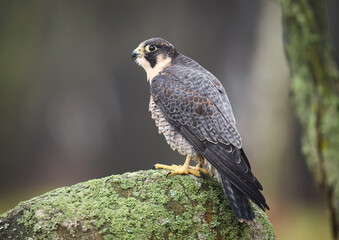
<point x="189" y="107"/>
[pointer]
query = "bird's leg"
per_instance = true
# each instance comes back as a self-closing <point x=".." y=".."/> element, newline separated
<point x="175" y="169"/>
<point x="183" y="169"/>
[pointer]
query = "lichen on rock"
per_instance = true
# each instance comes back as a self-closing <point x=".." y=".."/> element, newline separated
<point x="139" y="205"/>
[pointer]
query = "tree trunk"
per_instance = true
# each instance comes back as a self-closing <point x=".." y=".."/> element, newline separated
<point x="315" y="88"/>
<point x="140" y="205"/>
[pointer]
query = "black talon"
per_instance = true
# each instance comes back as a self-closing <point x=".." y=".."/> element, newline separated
<point x="168" y="174"/>
<point x="154" y="167"/>
<point x="202" y="175"/>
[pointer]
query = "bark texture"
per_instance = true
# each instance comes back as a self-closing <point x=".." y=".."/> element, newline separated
<point x="139" y="205"/>
<point x="315" y="88"/>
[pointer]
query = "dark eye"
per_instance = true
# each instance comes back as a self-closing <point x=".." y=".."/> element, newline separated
<point x="151" y="48"/>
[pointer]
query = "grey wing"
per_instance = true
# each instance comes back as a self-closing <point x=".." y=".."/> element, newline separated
<point x="207" y="104"/>
<point x="210" y="86"/>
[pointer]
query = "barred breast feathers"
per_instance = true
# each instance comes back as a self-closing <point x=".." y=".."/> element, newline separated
<point x="176" y="141"/>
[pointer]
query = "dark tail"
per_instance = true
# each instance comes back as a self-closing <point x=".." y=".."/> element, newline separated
<point x="237" y="200"/>
<point x="236" y="178"/>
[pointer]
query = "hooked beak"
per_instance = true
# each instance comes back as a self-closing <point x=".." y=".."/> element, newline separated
<point x="137" y="53"/>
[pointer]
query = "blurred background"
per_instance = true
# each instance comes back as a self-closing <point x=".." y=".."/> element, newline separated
<point x="74" y="106"/>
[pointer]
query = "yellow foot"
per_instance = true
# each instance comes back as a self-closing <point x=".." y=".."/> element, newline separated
<point x="182" y="169"/>
<point x="200" y="169"/>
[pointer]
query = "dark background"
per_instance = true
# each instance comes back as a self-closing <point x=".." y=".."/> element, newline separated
<point x="74" y="106"/>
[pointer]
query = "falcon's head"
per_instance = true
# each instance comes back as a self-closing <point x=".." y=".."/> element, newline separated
<point x="154" y="55"/>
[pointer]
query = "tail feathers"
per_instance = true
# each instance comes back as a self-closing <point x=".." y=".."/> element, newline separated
<point x="232" y="165"/>
<point x="239" y="203"/>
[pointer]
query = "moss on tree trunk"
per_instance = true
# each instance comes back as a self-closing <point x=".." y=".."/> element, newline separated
<point x="139" y="205"/>
<point x="315" y="88"/>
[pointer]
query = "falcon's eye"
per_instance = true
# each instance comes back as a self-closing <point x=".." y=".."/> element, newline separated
<point x="150" y="48"/>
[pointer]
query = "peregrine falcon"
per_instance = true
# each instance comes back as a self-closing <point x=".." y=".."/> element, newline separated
<point x="191" y="109"/>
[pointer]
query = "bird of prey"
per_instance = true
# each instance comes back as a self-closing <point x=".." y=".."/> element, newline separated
<point x="191" y="109"/>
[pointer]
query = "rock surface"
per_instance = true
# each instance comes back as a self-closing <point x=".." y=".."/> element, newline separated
<point x="139" y="205"/>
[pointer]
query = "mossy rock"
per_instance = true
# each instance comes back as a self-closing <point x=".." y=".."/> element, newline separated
<point x="139" y="205"/>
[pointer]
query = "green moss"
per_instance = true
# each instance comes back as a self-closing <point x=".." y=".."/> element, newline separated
<point x="141" y="205"/>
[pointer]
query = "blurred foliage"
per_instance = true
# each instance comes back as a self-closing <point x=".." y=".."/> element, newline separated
<point x="315" y="87"/>
<point x="303" y="222"/>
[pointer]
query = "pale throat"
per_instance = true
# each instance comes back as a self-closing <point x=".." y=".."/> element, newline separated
<point x="162" y="62"/>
